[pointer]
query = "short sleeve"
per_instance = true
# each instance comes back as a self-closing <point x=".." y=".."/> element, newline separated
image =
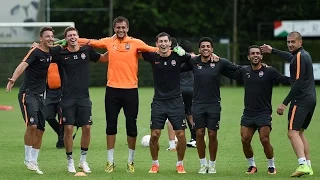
<point x="94" y="56"/>
<point x="31" y="56"/>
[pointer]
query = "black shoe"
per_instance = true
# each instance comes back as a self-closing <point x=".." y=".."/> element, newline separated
<point x="60" y="144"/>
<point x="272" y="170"/>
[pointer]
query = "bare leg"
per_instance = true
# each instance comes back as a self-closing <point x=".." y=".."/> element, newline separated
<point x="154" y="143"/>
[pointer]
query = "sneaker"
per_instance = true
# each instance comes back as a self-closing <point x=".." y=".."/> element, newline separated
<point x="252" y="170"/>
<point x="38" y="171"/>
<point x="302" y="169"/>
<point x="171" y="149"/>
<point x="60" y="144"/>
<point x="272" y="170"/>
<point x="71" y="168"/>
<point x="311" y="171"/>
<point x="85" y="167"/>
<point x="154" y="168"/>
<point x="203" y="169"/>
<point x="109" y="167"/>
<point x="212" y="169"/>
<point x="30" y="165"/>
<point x="192" y="143"/>
<point x="130" y="167"/>
<point x="180" y="169"/>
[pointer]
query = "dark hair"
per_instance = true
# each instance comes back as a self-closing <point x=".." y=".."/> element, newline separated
<point x="120" y="19"/>
<point x="162" y="34"/>
<point x="296" y="34"/>
<point x="253" y="46"/>
<point x="206" y="39"/>
<point x="187" y="46"/>
<point x="42" y="30"/>
<point x="174" y="42"/>
<point x="69" y="29"/>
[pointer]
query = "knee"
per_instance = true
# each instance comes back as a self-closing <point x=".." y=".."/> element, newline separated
<point x="68" y="129"/>
<point x="111" y="129"/>
<point x="155" y="135"/>
<point x="86" y="130"/>
<point x="264" y="140"/>
<point x="245" y="139"/>
<point x="180" y="133"/>
<point x="212" y="134"/>
<point x="200" y="132"/>
<point x="292" y="134"/>
<point x="131" y="127"/>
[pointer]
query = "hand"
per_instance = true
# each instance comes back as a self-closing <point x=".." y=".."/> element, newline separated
<point x="61" y="42"/>
<point x="35" y="45"/>
<point x="179" y="50"/>
<point x="214" y="58"/>
<point x="265" y="48"/>
<point x="10" y="84"/>
<point x="281" y="108"/>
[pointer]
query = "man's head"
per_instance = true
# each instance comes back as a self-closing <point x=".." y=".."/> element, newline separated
<point x="71" y="35"/>
<point x="46" y="36"/>
<point x="163" y="42"/>
<point x="205" y="47"/>
<point x="121" y="26"/>
<point x="254" y="55"/>
<point x="187" y="46"/>
<point x="294" y="41"/>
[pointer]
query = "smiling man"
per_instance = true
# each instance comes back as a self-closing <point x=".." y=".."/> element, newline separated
<point x="206" y="106"/>
<point x="258" y="83"/>
<point x="31" y="95"/>
<point x="167" y="101"/>
<point x="122" y="85"/>
<point x="73" y="62"/>
<point x="302" y="98"/>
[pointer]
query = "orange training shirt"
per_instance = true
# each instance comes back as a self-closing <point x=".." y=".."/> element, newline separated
<point x="123" y="59"/>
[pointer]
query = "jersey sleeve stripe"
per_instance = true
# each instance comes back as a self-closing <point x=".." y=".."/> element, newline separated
<point x="298" y="65"/>
<point x="26" y="57"/>
<point x="292" y="116"/>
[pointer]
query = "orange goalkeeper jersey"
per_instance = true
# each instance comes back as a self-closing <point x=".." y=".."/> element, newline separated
<point x="123" y="59"/>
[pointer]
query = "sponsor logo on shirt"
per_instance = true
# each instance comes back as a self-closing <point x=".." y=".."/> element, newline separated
<point x="261" y="73"/>
<point x="127" y="46"/>
<point x="248" y="74"/>
<point x="157" y="62"/>
<point x="31" y="120"/>
<point x="173" y="62"/>
<point x="199" y="66"/>
<point x="212" y="65"/>
<point x="83" y="56"/>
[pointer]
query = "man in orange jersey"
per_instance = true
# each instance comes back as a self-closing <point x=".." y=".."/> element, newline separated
<point x="31" y="95"/>
<point x="122" y="85"/>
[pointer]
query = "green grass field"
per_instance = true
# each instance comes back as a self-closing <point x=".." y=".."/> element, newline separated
<point x="231" y="163"/>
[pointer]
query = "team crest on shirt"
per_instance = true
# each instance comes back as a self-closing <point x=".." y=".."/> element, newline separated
<point x="261" y="73"/>
<point x="31" y="119"/>
<point x="127" y="46"/>
<point x="64" y="119"/>
<point x="199" y="67"/>
<point x="248" y="75"/>
<point x="83" y="56"/>
<point x="173" y="62"/>
<point x="212" y="65"/>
